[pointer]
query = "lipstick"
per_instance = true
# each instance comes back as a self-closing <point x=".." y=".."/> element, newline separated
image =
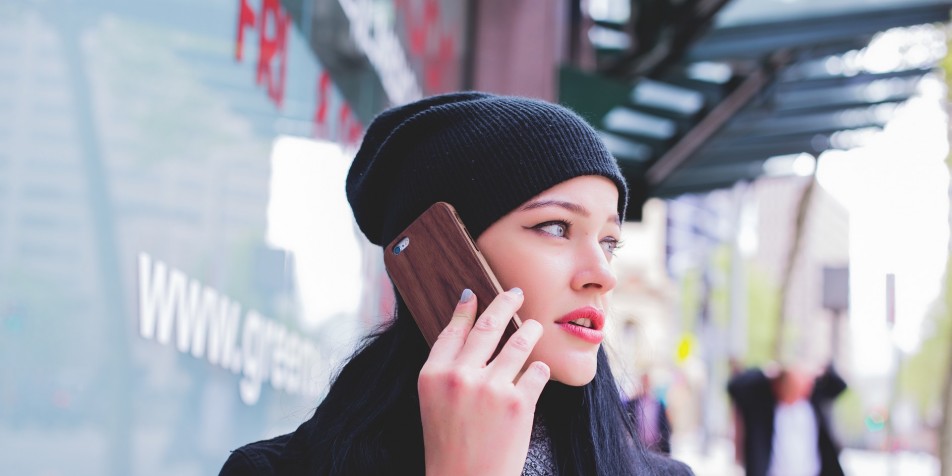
<point x="585" y="323"/>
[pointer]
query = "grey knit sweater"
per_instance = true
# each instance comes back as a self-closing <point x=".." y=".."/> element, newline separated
<point x="540" y="460"/>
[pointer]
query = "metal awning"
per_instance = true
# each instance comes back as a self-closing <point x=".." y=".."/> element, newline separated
<point x="714" y="88"/>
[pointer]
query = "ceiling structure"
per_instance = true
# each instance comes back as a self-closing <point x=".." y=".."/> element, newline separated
<point x="697" y="95"/>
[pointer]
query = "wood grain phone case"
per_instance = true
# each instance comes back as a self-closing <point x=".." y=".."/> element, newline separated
<point x="432" y="262"/>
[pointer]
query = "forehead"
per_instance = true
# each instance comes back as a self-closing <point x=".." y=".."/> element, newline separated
<point x="596" y="193"/>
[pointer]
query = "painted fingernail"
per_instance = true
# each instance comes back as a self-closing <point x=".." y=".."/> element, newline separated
<point x="516" y="291"/>
<point x="467" y="295"/>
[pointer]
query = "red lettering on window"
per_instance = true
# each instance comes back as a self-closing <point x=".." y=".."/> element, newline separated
<point x="349" y="129"/>
<point x="246" y="19"/>
<point x="271" y="21"/>
<point x="343" y="122"/>
<point x="354" y="132"/>
<point x="436" y="67"/>
<point x="323" y="99"/>
<point x="273" y="52"/>
<point x="428" y="41"/>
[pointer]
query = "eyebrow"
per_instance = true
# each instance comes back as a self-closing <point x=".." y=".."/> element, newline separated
<point x="572" y="207"/>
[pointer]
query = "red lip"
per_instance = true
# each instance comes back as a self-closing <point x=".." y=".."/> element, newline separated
<point x="593" y="335"/>
<point x="587" y="312"/>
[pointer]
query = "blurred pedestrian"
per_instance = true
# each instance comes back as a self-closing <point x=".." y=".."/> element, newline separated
<point x="786" y="428"/>
<point x="544" y="200"/>
<point x="650" y="414"/>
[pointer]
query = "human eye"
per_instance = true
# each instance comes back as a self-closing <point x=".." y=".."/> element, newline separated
<point x="556" y="228"/>
<point x="611" y="244"/>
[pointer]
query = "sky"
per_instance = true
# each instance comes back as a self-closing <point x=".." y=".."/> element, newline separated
<point x="896" y="189"/>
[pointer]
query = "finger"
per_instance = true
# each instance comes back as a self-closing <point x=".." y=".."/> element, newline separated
<point x="533" y="380"/>
<point x="484" y="336"/>
<point x="451" y="339"/>
<point x="512" y="357"/>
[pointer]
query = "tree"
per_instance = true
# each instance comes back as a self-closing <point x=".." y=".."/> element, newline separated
<point x="945" y="428"/>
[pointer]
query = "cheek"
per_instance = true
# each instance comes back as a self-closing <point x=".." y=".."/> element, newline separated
<point x="541" y="280"/>
<point x="568" y="365"/>
<point x="526" y="264"/>
<point x="513" y="266"/>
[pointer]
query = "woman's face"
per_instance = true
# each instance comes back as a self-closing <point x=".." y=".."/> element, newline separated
<point x="557" y="248"/>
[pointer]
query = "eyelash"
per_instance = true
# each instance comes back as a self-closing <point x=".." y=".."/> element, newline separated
<point x="613" y="243"/>
<point x="566" y="225"/>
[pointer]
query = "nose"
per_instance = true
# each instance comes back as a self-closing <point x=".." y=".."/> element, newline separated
<point x="593" y="270"/>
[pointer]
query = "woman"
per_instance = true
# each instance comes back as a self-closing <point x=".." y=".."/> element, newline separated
<point x="544" y="199"/>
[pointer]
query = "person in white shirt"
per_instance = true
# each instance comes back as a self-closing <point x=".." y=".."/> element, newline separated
<point x="785" y="428"/>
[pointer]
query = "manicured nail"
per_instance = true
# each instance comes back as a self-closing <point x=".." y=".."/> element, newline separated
<point x="467" y="295"/>
<point x="516" y="291"/>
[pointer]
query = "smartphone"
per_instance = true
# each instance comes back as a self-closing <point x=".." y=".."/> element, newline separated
<point x="432" y="262"/>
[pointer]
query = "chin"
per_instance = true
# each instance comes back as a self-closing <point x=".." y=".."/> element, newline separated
<point x="575" y="379"/>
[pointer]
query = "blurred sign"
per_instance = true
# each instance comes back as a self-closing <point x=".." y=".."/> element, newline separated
<point x="158" y="305"/>
<point x="836" y="288"/>
<point x="891" y="299"/>
<point x="271" y="22"/>
<point x="386" y="52"/>
<point x="685" y="347"/>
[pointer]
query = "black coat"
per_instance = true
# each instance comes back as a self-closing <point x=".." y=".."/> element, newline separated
<point x="755" y="401"/>
<point x="267" y="458"/>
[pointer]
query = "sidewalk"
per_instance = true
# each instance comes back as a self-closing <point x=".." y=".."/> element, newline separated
<point x="877" y="463"/>
<point x="718" y="460"/>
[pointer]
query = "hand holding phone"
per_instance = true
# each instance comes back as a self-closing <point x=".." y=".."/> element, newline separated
<point x="432" y="262"/>
<point x="475" y="398"/>
<point x="470" y="408"/>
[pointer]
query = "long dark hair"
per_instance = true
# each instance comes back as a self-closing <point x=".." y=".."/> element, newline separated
<point x="369" y="422"/>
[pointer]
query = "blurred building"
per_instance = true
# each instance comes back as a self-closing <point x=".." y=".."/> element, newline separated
<point x="642" y="336"/>
<point x="823" y="244"/>
<point x="157" y="306"/>
<point x="731" y="256"/>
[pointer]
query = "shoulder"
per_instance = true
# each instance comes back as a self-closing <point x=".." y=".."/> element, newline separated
<point x="829" y="384"/>
<point x="666" y="466"/>
<point x="747" y="381"/>
<point x="255" y="459"/>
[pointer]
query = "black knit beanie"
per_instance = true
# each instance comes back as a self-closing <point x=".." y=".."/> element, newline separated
<point x="482" y="153"/>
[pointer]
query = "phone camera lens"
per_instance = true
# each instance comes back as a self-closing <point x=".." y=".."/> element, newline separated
<point x="402" y="245"/>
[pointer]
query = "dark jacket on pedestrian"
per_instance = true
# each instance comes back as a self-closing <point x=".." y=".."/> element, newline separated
<point x="754" y="399"/>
